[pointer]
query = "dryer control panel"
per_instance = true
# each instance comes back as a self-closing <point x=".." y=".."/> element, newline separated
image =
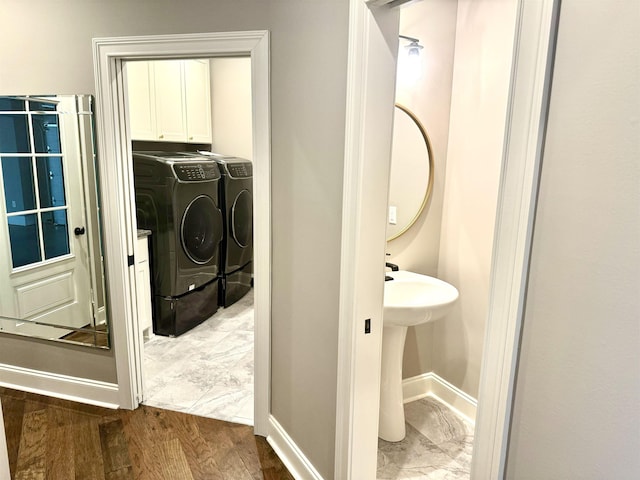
<point x="239" y="170"/>
<point x="196" y="172"/>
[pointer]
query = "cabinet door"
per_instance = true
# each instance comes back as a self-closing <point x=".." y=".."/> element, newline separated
<point x="198" y="100"/>
<point x="141" y="96"/>
<point x="170" y="101"/>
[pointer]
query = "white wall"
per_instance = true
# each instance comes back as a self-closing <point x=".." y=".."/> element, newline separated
<point x="231" y="106"/>
<point x="429" y="97"/>
<point x="576" y="410"/>
<point x="483" y="57"/>
<point x="461" y="98"/>
<point x="308" y="88"/>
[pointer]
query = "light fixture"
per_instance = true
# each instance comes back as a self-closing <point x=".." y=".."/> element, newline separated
<point x="414" y="47"/>
<point x="410" y="67"/>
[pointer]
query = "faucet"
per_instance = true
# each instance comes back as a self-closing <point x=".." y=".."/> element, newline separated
<point x="393" y="267"/>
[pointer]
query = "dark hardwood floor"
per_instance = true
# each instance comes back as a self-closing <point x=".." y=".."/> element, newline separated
<point x="55" y="439"/>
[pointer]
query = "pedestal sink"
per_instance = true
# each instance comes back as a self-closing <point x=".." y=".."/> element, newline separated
<point x="409" y="299"/>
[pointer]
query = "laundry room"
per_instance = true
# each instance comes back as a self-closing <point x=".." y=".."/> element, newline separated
<point x="190" y="125"/>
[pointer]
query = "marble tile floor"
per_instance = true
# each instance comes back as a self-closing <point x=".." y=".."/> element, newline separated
<point x="438" y="445"/>
<point x="207" y="371"/>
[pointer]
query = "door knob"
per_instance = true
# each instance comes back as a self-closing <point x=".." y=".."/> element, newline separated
<point x="79" y="231"/>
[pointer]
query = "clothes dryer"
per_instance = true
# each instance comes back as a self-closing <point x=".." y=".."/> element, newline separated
<point x="177" y="198"/>
<point x="236" y="201"/>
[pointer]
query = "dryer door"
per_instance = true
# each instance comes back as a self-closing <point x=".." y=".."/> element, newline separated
<point x="200" y="232"/>
<point x="242" y="219"/>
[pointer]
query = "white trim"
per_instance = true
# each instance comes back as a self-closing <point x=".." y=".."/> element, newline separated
<point x="526" y="122"/>
<point x="115" y="167"/>
<point x="373" y="42"/>
<point x="101" y="316"/>
<point x="432" y="384"/>
<point x="76" y="389"/>
<point x="292" y="457"/>
<point x="4" y="452"/>
<point x="386" y="3"/>
<point x="261" y="113"/>
<point x="358" y="362"/>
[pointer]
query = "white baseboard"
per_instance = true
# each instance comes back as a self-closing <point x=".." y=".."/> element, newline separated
<point x="101" y="317"/>
<point x="81" y="390"/>
<point x="292" y="457"/>
<point x="418" y="387"/>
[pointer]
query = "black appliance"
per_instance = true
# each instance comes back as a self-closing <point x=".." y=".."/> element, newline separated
<point x="177" y="199"/>
<point x="236" y="202"/>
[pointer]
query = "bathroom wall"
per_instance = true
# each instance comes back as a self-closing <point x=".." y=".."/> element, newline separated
<point x="231" y="106"/>
<point x="429" y="97"/>
<point x="308" y="54"/>
<point x="578" y="386"/>
<point x="461" y="99"/>
<point x="483" y="56"/>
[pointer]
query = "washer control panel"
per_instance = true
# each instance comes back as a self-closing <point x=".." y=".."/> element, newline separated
<point x="196" y="172"/>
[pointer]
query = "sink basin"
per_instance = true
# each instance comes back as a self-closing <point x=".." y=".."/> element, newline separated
<point x="411" y="299"/>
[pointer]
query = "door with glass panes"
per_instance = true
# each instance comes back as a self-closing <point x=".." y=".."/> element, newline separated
<point x="44" y="264"/>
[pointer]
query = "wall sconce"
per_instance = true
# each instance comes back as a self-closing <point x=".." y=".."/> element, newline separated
<point x="412" y="68"/>
<point x="414" y="47"/>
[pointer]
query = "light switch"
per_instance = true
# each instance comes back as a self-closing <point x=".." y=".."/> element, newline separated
<point x="393" y="218"/>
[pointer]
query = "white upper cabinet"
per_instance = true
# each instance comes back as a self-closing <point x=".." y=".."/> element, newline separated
<point x="142" y="107"/>
<point x="171" y="117"/>
<point x="198" y="100"/>
<point x="174" y="100"/>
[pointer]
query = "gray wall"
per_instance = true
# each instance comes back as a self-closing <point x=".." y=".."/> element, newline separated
<point x="308" y="88"/>
<point x="576" y="410"/>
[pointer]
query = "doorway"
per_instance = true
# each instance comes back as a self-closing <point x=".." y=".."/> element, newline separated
<point x="376" y="30"/>
<point x="198" y="350"/>
<point x="115" y="157"/>
<point x="452" y="238"/>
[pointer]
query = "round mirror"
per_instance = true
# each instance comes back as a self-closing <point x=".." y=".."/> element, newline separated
<point x="411" y="180"/>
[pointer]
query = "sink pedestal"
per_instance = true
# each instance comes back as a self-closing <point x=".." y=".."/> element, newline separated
<point x="391" y="426"/>
<point x="409" y="299"/>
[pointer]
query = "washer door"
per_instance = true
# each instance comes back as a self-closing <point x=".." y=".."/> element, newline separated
<point x="201" y="229"/>
<point x="242" y="219"/>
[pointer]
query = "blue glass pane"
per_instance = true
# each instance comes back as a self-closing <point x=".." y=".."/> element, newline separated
<point x="56" y="233"/>
<point x="46" y="134"/>
<point x="43" y="106"/>
<point x="17" y="175"/>
<point x="50" y="181"/>
<point x="14" y="133"/>
<point x="11" y="104"/>
<point x="23" y="234"/>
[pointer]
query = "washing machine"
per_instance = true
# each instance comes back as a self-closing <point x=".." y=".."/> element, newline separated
<point x="236" y="201"/>
<point x="177" y="199"/>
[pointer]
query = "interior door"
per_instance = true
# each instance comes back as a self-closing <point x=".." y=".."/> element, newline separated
<point x="45" y="266"/>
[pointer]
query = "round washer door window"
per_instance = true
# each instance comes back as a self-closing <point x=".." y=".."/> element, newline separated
<point x="242" y="219"/>
<point x="201" y="229"/>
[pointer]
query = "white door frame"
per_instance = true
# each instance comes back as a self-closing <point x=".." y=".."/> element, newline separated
<point x="4" y="453"/>
<point x="118" y="205"/>
<point x="366" y="177"/>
